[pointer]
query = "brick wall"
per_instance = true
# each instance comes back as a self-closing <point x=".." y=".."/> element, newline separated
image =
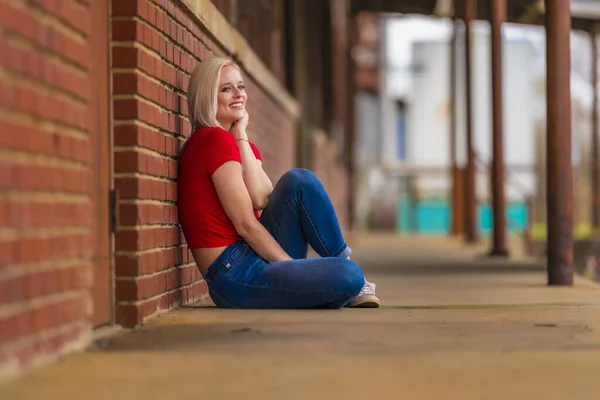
<point x="46" y="207"/>
<point x="156" y="45"/>
<point x="53" y="128"/>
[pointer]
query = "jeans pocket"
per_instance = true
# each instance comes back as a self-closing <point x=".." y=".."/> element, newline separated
<point x="235" y="260"/>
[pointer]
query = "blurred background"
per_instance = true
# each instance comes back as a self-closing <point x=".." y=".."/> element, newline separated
<point x="405" y="170"/>
<point x="369" y="94"/>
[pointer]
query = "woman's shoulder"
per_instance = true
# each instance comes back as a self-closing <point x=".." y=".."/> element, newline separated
<point x="205" y="136"/>
<point x="207" y="131"/>
<point x="214" y="134"/>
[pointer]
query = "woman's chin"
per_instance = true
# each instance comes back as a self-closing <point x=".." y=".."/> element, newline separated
<point x="238" y="114"/>
<point x="231" y="118"/>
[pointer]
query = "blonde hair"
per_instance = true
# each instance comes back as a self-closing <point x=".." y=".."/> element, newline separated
<point x="203" y="89"/>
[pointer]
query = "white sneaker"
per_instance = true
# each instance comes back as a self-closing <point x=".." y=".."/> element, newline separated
<point x="366" y="298"/>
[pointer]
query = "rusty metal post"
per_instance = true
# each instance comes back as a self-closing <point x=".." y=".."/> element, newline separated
<point x="558" y="144"/>
<point x="454" y="171"/>
<point x="498" y="17"/>
<point x="470" y="202"/>
<point x="595" y="158"/>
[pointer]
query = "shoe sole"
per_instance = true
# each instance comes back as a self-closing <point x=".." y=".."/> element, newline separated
<point x="366" y="301"/>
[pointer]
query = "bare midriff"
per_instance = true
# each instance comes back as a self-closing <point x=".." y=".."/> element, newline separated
<point x="204" y="257"/>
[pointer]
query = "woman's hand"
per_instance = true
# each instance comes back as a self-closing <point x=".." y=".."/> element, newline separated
<point x="238" y="128"/>
<point x="256" y="180"/>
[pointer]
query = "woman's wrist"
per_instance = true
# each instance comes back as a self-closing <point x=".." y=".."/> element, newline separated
<point x="239" y="136"/>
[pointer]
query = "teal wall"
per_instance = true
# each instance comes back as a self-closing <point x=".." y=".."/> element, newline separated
<point x="432" y="217"/>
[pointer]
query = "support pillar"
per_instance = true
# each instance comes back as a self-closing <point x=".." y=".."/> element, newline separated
<point x="498" y="17"/>
<point x="558" y="160"/>
<point x="456" y="214"/>
<point x="470" y="202"/>
<point x="298" y="53"/>
<point x="594" y="141"/>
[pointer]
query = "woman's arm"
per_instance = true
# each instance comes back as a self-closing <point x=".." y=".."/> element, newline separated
<point x="256" y="180"/>
<point x="258" y="183"/>
<point x="235" y="199"/>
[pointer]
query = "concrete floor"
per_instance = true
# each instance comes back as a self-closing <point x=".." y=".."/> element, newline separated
<point x="452" y="326"/>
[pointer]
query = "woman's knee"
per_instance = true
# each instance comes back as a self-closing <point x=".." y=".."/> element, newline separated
<point x="350" y="282"/>
<point x="353" y="277"/>
<point x="300" y="177"/>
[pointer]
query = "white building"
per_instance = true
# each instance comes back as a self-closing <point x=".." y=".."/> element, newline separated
<point x="406" y="126"/>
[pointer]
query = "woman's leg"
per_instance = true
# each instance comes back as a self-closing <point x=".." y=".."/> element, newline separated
<point x="245" y="280"/>
<point x="300" y="213"/>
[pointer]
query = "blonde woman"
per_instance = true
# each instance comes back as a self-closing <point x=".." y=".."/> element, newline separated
<point x="252" y="260"/>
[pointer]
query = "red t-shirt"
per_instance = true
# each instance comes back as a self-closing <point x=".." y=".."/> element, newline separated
<point x="202" y="218"/>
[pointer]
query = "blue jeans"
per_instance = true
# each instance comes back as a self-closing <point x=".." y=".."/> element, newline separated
<point x="299" y="213"/>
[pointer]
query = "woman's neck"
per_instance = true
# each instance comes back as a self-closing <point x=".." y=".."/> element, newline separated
<point x="225" y="125"/>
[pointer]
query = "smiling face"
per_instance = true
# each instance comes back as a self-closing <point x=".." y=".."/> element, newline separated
<point x="232" y="97"/>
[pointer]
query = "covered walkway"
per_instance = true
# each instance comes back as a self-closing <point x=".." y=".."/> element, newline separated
<point x="453" y="325"/>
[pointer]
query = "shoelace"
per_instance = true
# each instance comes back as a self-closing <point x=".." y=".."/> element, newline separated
<point x="368" y="288"/>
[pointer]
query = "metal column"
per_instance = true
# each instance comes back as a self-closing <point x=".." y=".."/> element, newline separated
<point x="559" y="168"/>
<point x="595" y="158"/>
<point x="456" y="214"/>
<point x="498" y="17"/>
<point x="470" y="202"/>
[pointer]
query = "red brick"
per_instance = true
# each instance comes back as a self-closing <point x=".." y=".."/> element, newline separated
<point x="42" y="283"/>
<point x="121" y="8"/>
<point x="150" y="286"/>
<point x="128" y="109"/>
<point x="44" y="317"/>
<point x="147" y="238"/>
<point x="125" y="57"/>
<point x="71" y="13"/>
<point x="152" y="261"/>
<point x="45" y="215"/>
<point x="51" y="108"/>
<point x="7" y="175"/>
<point x="128" y="187"/>
<point x="146" y="214"/>
<point x="7" y="253"/>
<point x="53" y="73"/>
<point x="126" y="30"/>
<point x="194" y="292"/>
<point x="52" y="178"/>
<point x="135" y="135"/>
<point x="135" y="83"/>
<point x="130" y="57"/>
<point x="48" y="346"/>
<point x="3" y="215"/>
<point x="133" y="161"/>
<point x="125" y="83"/>
<point x="145" y="287"/>
<point x="24" y="23"/>
<point x="39" y="249"/>
<point x="128" y="161"/>
<point x="131" y="315"/>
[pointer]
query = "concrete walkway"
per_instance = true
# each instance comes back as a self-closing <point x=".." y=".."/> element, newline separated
<point x="452" y="326"/>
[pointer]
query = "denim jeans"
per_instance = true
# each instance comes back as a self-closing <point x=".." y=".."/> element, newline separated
<point x="299" y="214"/>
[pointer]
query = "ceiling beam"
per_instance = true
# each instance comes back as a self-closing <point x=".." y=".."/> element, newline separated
<point x="531" y="12"/>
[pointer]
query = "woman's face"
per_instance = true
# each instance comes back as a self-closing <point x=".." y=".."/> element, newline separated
<point x="231" y="98"/>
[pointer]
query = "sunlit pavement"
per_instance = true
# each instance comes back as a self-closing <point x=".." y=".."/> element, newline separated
<point x="453" y="325"/>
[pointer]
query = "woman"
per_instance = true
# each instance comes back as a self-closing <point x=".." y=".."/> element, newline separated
<point x="247" y="260"/>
